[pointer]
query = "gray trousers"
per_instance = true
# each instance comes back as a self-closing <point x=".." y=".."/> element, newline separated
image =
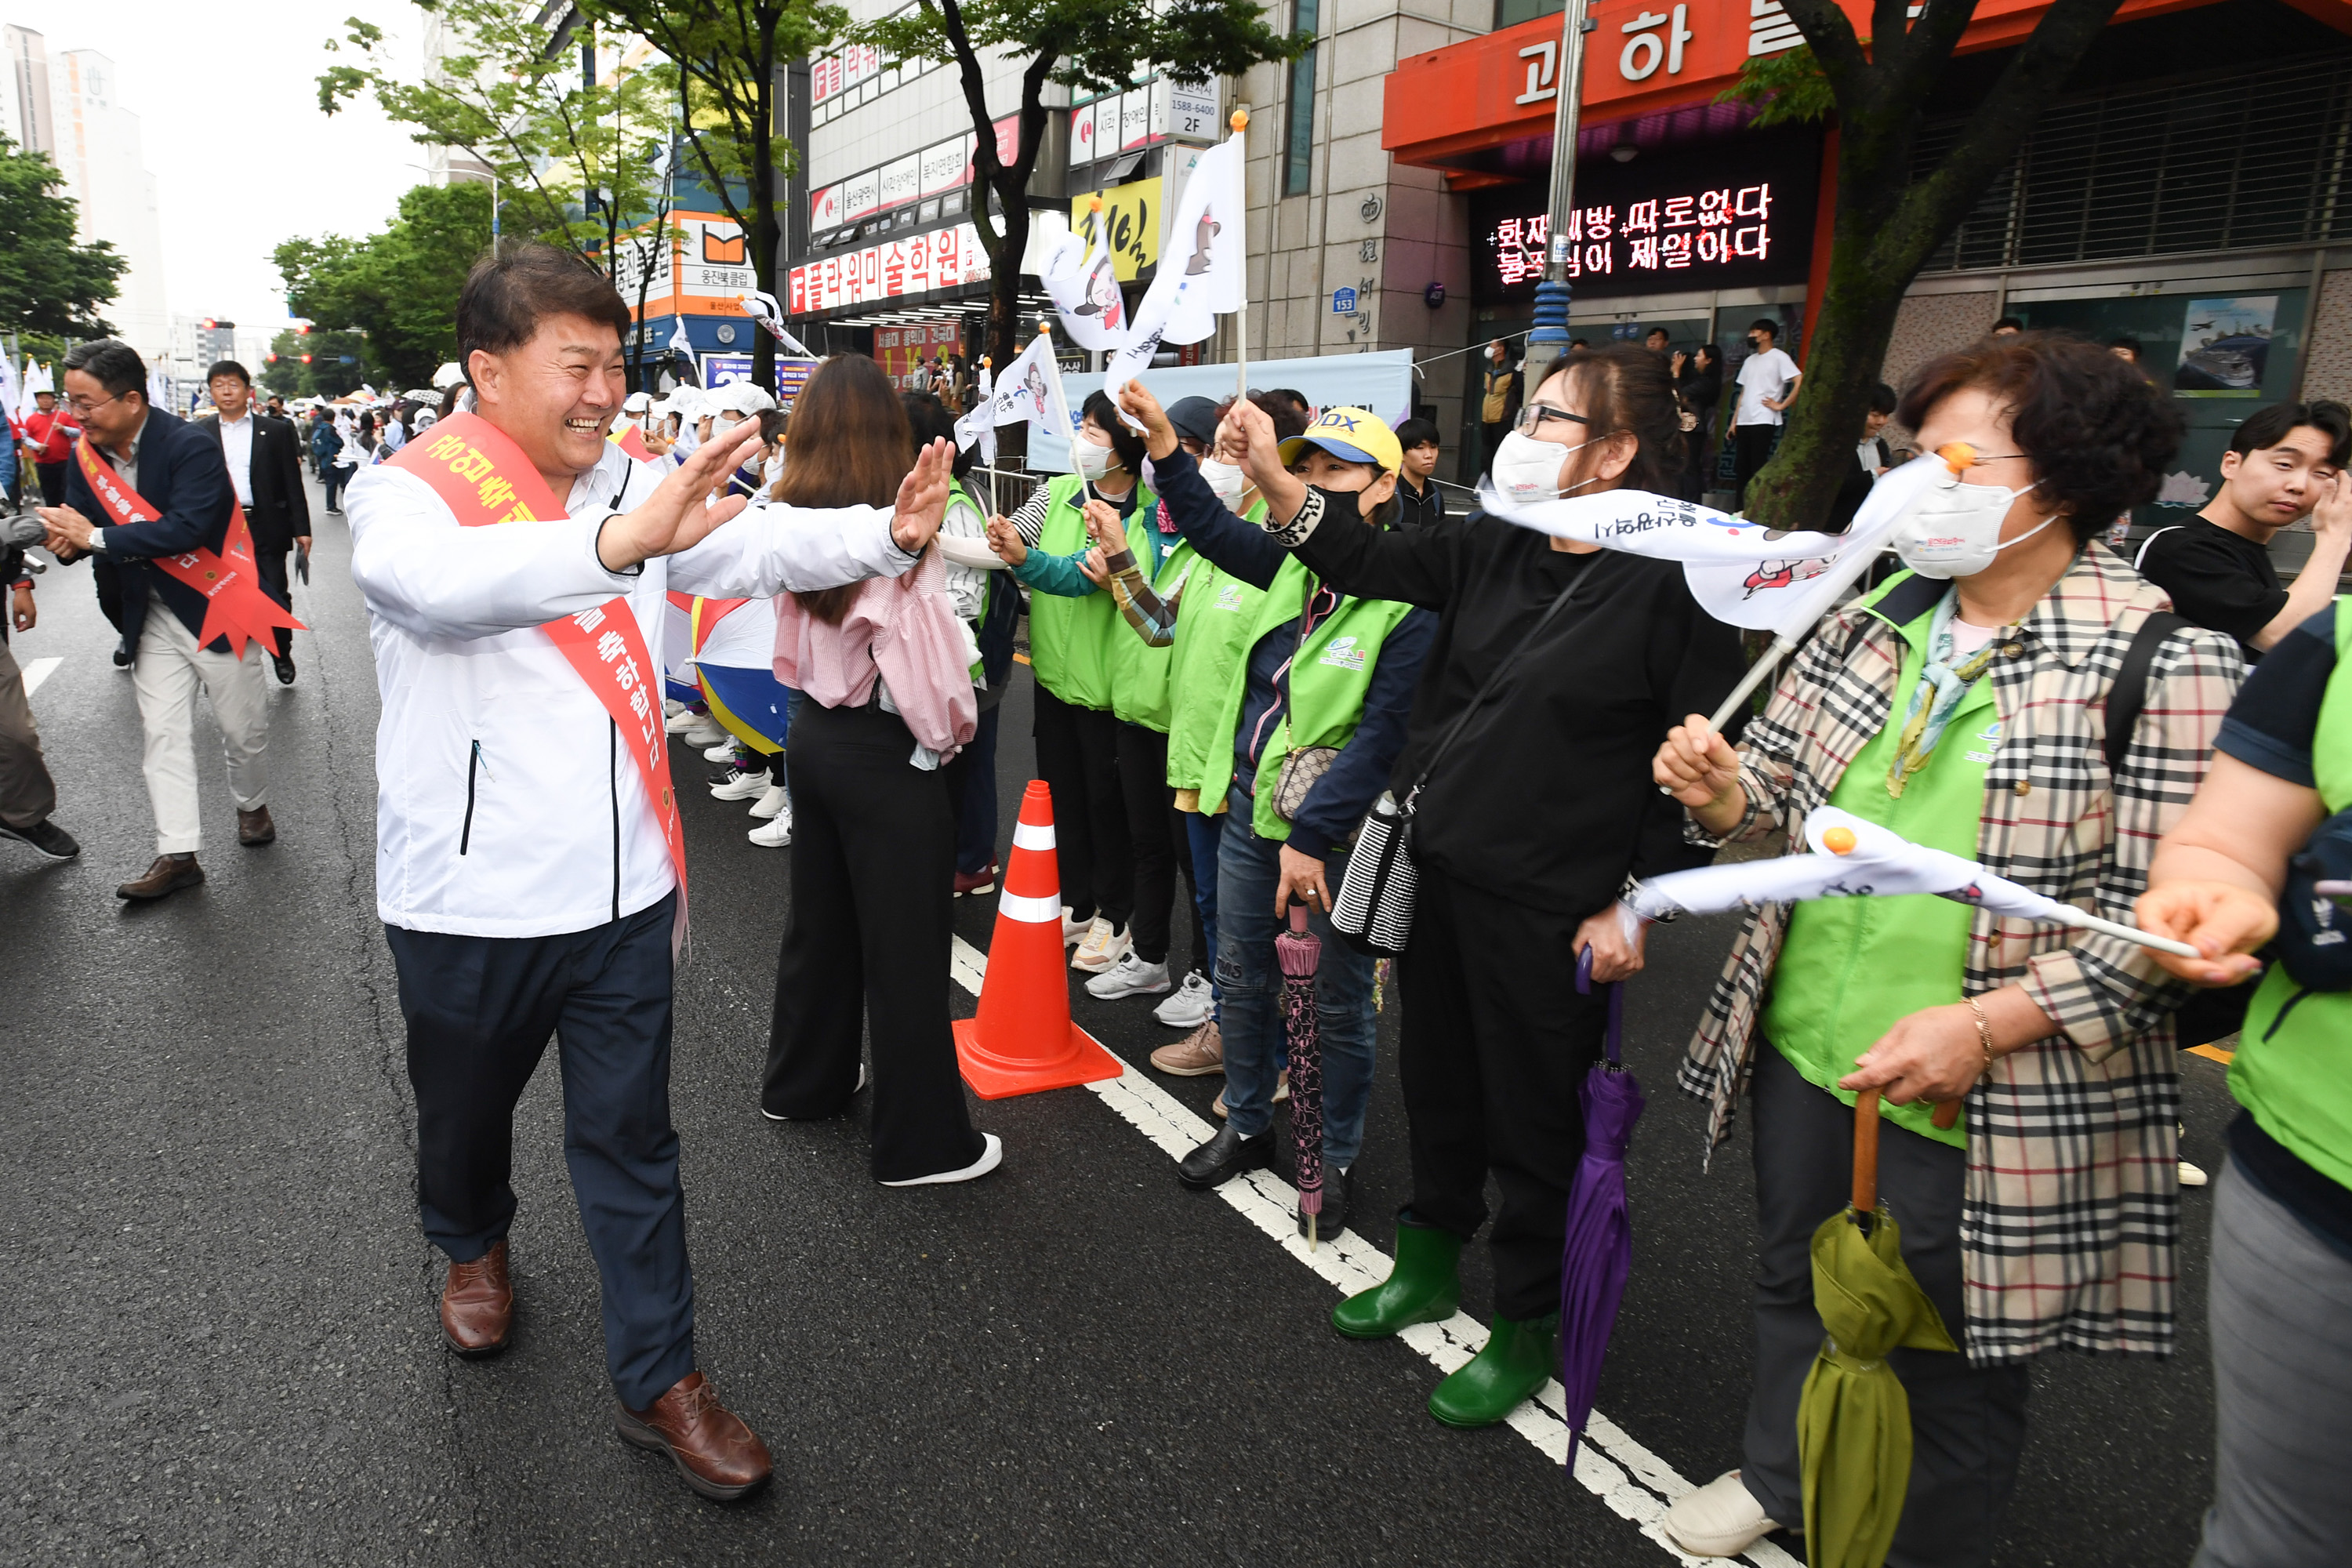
<point x="1968" y="1427"/>
<point x="27" y="794"/>
<point x="2281" y="1312"/>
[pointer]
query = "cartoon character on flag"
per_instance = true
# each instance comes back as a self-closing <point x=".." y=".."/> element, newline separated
<point x="1081" y="281"/>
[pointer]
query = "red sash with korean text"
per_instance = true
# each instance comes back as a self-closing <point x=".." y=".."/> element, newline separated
<point x="236" y="605"/>
<point x="481" y="474"/>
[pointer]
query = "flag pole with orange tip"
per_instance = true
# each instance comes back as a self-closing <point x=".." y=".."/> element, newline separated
<point x="1023" y="1041"/>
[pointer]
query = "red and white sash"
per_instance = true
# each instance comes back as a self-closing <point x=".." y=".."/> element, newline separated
<point x="236" y="605"/>
<point x="483" y="476"/>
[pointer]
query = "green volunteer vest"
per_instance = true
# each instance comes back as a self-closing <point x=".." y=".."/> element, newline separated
<point x="1212" y="639"/>
<point x="1327" y="681"/>
<point x="1139" y="673"/>
<point x="1851" y="967"/>
<point x="2293" y="1066"/>
<point x="1071" y="640"/>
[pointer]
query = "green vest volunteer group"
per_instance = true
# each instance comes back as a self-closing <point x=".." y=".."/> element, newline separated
<point x="2289" y="1067"/>
<point x="1192" y="689"/>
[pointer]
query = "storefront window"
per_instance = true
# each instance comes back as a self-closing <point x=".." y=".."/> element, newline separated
<point x="1511" y="13"/>
<point x="1298" y="154"/>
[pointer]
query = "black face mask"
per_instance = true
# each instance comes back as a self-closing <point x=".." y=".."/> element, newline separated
<point x="1757" y="344"/>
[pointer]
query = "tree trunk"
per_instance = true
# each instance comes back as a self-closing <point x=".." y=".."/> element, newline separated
<point x="768" y="237"/>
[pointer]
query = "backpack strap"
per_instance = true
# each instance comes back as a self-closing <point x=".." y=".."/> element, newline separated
<point x="2128" y="695"/>
<point x="2139" y="560"/>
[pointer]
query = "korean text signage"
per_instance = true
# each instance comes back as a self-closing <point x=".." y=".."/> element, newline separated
<point x="1735" y="214"/>
<point x="792" y="375"/>
<point x="901" y="348"/>
<point x="937" y="169"/>
<point x="1133" y="216"/>
<point x="705" y="259"/>
<point x="945" y="258"/>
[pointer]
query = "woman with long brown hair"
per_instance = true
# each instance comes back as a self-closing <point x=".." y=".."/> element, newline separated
<point x="882" y="670"/>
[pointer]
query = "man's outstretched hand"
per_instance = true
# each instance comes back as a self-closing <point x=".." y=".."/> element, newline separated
<point x="923" y="496"/>
<point x="674" y="517"/>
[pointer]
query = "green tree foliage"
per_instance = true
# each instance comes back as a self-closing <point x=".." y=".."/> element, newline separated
<point x="399" y="288"/>
<point x="1786" y="88"/>
<point x="50" y="284"/>
<point x="576" y="158"/>
<point x="1095" y="46"/>
<point x="337" y="364"/>
<point x="1890" y="217"/>
<point x="729" y="54"/>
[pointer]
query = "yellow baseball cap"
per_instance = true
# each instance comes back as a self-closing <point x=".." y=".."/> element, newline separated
<point x="1352" y="435"/>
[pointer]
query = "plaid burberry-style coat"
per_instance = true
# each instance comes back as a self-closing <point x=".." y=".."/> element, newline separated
<point x="2071" y="1216"/>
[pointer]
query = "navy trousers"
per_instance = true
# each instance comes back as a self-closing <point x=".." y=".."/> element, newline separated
<point x="479" y="1011"/>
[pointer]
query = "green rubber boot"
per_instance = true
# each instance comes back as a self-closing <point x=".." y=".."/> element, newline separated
<point x="1425" y="1286"/>
<point x="1490" y="1385"/>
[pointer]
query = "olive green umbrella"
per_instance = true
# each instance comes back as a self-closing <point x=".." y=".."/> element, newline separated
<point x="1854" y="1423"/>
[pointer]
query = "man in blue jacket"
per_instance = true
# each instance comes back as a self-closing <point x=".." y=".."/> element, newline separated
<point x="178" y="470"/>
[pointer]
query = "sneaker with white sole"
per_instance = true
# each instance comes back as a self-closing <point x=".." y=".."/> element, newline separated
<point x="725" y="751"/>
<point x="1074" y="932"/>
<point x="771" y="803"/>
<point x="1281" y="1093"/>
<point x="991" y="1154"/>
<point x="742" y="786"/>
<point x="680" y="719"/>
<point x="776" y="832"/>
<point x="1192" y="1005"/>
<point x="703" y="732"/>
<point x="1103" y="947"/>
<point x="1131" y="976"/>
<point x="2193" y="1175"/>
<point x="1197" y="1055"/>
<point x="671" y="709"/>
<point x="1721" y="1518"/>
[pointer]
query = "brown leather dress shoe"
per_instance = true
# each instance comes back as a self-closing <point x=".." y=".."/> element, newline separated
<point x="718" y="1456"/>
<point x="167" y="874"/>
<point x="478" y="1304"/>
<point x="254" y="827"/>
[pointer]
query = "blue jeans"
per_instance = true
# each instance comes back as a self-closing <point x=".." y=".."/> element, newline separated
<point x="1203" y="833"/>
<point x="1248" y="869"/>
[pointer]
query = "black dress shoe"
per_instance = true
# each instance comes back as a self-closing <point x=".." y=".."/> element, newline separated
<point x="1223" y="1157"/>
<point x="1339" y="1189"/>
<point x="123" y="656"/>
<point x="285" y="663"/>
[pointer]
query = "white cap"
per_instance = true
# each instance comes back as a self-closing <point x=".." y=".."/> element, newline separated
<point x="637" y="403"/>
<point x="447" y="377"/>
<point x="744" y="398"/>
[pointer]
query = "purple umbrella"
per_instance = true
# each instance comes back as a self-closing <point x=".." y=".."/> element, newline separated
<point x="1300" y="953"/>
<point x="1599" y="1249"/>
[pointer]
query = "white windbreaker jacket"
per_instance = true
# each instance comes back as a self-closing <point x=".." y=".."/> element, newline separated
<point x="505" y="803"/>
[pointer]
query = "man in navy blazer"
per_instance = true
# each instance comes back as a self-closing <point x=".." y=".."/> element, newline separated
<point x="179" y="471"/>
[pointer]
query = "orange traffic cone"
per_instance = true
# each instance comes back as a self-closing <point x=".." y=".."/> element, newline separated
<point x="1022" y="1040"/>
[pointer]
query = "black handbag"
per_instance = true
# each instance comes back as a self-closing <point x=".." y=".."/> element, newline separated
<point x="1372" y="909"/>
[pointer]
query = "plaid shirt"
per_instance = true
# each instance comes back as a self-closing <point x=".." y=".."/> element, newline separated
<point x="2071" y="1215"/>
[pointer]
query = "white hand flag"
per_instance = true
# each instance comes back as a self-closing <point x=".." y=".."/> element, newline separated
<point x="1080" y="278"/>
<point x="761" y="307"/>
<point x="1030" y="389"/>
<point x="1854" y="858"/>
<point x="1200" y="273"/>
<point x="12" y="393"/>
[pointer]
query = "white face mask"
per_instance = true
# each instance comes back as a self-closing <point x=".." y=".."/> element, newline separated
<point x="1528" y="470"/>
<point x="1094" y="461"/>
<point x="1226" y="478"/>
<point x="1955" y="530"/>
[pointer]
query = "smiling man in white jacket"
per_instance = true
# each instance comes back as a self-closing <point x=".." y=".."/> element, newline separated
<point x="529" y="868"/>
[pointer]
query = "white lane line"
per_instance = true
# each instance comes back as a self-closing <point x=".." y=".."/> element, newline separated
<point x="39" y="671"/>
<point x="1634" y="1483"/>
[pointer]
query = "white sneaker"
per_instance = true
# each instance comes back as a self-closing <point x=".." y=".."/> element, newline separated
<point x="991" y="1154"/>
<point x="704" y="732"/>
<point x="1721" y="1518"/>
<point x="681" y="719"/>
<point x="776" y="832"/>
<point x="1189" y="1007"/>
<point x="769" y="803"/>
<point x="1131" y="976"/>
<point x="724" y="751"/>
<point x="1102" y="948"/>
<point x="742" y="786"/>
<point x="2193" y="1175"/>
<point x="1074" y="932"/>
<point x="671" y="709"/>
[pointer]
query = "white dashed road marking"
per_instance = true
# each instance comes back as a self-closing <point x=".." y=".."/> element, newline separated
<point x="1633" y="1482"/>
<point x="37" y="671"/>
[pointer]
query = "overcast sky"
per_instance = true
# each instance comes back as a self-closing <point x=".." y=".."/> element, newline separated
<point x="227" y="101"/>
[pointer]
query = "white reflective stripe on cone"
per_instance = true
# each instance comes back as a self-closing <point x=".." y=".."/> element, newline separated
<point x="1036" y="911"/>
<point x="1033" y="836"/>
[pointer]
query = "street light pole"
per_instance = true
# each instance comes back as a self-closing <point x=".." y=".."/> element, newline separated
<point x="1549" y="341"/>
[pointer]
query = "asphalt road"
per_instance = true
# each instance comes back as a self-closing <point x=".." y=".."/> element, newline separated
<point x="221" y="1313"/>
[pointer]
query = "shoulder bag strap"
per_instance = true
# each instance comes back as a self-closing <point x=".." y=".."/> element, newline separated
<point x="1494" y="681"/>
<point x="2128" y="695"/>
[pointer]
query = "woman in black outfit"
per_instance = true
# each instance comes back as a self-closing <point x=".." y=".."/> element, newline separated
<point x="1699" y="383"/>
<point x="1524" y="831"/>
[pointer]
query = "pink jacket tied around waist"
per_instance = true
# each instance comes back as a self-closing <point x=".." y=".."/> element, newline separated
<point x="903" y="628"/>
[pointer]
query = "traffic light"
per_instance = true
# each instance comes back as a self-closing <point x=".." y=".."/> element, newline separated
<point x="305" y="359"/>
<point x="304" y="329"/>
<point x="269" y="358"/>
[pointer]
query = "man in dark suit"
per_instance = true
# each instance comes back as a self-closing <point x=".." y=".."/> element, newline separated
<point x="265" y="464"/>
<point x="178" y="471"/>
